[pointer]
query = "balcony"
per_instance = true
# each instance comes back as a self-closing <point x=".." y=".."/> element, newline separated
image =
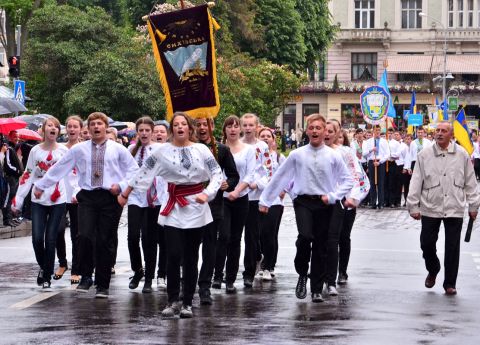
<point x="363" y="36"/>
<point x="397" y="87"/>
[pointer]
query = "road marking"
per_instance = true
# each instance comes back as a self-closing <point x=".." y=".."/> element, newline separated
<point x="33" y="300"/>
<point x="46" y="295"/>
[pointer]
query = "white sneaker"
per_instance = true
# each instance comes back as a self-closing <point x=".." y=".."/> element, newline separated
<point x="332" y="290"/>
<point x="259" y="265"/>
<point x="171" y="310"/>
<point x="161" y="283"/>
<point x="259" y="275"/>
<point x="266" y="275"/>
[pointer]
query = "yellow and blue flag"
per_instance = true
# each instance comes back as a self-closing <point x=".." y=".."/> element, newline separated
<point x="462" y="133"/>
<point x="440" y="111"/>
<point x="383" y="83"/>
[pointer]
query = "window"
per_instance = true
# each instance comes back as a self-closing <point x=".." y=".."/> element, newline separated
<point x="309" y="109"/>
<point x="311" y="74"/>
<point x="411" y="77"/>
<point x="410" y="14"/>
<point x="364" y="14"/>
<point x="289" y="117"/>
<point x="321" y="71"/>
<point x="470" y="13"/>
<point x="460" y="13"/>
<point x="364" y="66"/>
<point x="473" y="78"/>
<point x="450" y="13"/>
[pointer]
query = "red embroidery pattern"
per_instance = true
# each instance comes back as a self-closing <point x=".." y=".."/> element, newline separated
<point x="25" y="177"/>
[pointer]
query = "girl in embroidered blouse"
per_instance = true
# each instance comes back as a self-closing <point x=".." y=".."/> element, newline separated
<point x="48" y="210"/>
<point x="235" y="206"/>
<point x="143" y="210"/>
<point x="186" y="166"/>
<point x="74" y="126"/>
<point x="270" y="222"/>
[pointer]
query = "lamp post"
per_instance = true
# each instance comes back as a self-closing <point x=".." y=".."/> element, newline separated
<point x="445" y="49"/>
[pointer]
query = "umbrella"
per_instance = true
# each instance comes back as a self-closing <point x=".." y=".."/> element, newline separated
<point x="11" y="124"/>
<point x="34" y="122"/>
<point x="28" y="134"/>
<point x="11" y="105"/>
<point x="118" y="125"/>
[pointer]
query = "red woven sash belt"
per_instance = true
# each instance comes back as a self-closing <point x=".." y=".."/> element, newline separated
<point x="177" y="194"/>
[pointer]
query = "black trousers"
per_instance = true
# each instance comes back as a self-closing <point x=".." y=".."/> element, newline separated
<point x="142" y="223"/>
<point x="397" y="186"/>
<point x="230" y="237"/>
<point x="162" y="251"/>
<point x="99" y="213"/>
<point x="72" y="210"/>
<point x="253" y="251"/>
<point x="392" y="182"/>
<point x="276" y="237"/>
<point x="210" y="236"/>
<point x="428" y="243"/>
<point x="269" y="226"/>
<point x="406" y="184"/>
<point x="476" y="166"/>
<point x="182" y="250"/>
<point x="376" y="189"/>
<point x="344" y="245"/>
<point x="7" y="210"/>
<point x="313" y="220"/>
<point x="334" y="230"/>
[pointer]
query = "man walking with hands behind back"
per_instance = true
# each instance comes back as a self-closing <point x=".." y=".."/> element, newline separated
<point x="443" y="182"/>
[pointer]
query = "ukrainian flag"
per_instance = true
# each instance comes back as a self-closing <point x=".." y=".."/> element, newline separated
<point x="461" y="132"/>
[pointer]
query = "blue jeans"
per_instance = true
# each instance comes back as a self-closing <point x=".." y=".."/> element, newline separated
<point x="45" y="224"/>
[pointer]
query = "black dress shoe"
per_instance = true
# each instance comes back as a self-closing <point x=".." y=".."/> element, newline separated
<point x="247" y="282"/>
<point x="147" y="287"/>
<point x="230" y="288"/>
<point x="205" y="298"/>
<point x="135" y="280"/>
<point x="373" y="207"/>
<point x="430" y="281"/>
<point x="317" y="297"/>
<point x="40" y="278"/>
<point x="301" y="289"/>
<point x="217" y="284"/>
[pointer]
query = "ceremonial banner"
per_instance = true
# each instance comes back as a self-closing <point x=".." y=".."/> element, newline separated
<point x="184" y="51"/>
<point x="433" y="115"/>
<point x="375" y="102"/>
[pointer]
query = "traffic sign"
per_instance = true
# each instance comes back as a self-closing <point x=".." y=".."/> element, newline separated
<point x="19" y="91"/>
<point x="415" y="120"/>
<point x="453" y="103"/>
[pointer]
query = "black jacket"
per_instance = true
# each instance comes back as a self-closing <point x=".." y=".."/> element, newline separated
<point x="227" y="164"/>
<point x="12" y="165"/>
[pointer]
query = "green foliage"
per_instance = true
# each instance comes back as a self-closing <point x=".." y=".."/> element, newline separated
<point x="72" y="54"/>
<point x="318" y="30"/>
<point x="283" y="38"/>
<point x="252" y="85"/>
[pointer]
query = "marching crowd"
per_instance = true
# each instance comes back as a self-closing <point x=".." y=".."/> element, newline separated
<point x="184" y="188"/>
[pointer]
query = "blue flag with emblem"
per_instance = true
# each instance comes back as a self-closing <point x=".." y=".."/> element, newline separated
<point x="383" y="83"/>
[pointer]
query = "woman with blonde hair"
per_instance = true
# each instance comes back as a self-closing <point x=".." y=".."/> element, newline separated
<point x="49" y="208"/>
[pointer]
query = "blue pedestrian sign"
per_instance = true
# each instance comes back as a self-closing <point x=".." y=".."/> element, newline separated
<point x="415" y="120"/>
<point x="19" y="91"/>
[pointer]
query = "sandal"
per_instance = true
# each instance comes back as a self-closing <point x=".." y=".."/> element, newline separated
<point x="60" y="272"/>
<point x="74" y="279"/>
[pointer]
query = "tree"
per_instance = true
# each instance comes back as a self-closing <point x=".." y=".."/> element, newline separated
<point x="252" y="85"/>
<point x="67" y="52"/>
<point x="16" y="12"/>
<point x="123" y="89"/>
<point x="284" y="42"/>
<point x="318" y="31"/>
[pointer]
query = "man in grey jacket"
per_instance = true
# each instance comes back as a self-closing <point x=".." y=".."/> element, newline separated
<point x="441" y="186"/>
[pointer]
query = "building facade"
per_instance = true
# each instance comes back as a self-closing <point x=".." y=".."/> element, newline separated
<point x="378" y="34"/>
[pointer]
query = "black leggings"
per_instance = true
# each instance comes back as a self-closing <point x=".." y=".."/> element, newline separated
<point x="72" y="210"/>
<point x="269" y="226"/>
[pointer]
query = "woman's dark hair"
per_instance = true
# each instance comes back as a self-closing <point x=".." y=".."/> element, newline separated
<point x="232" y="119"/>
<point x="144" y="120"/>
<point x="191" y="126"/>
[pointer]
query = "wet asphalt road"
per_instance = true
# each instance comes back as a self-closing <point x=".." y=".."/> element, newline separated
<point x="384" y="302"/>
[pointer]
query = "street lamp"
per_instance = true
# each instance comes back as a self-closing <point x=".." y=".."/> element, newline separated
<point x="445" y="48"/>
